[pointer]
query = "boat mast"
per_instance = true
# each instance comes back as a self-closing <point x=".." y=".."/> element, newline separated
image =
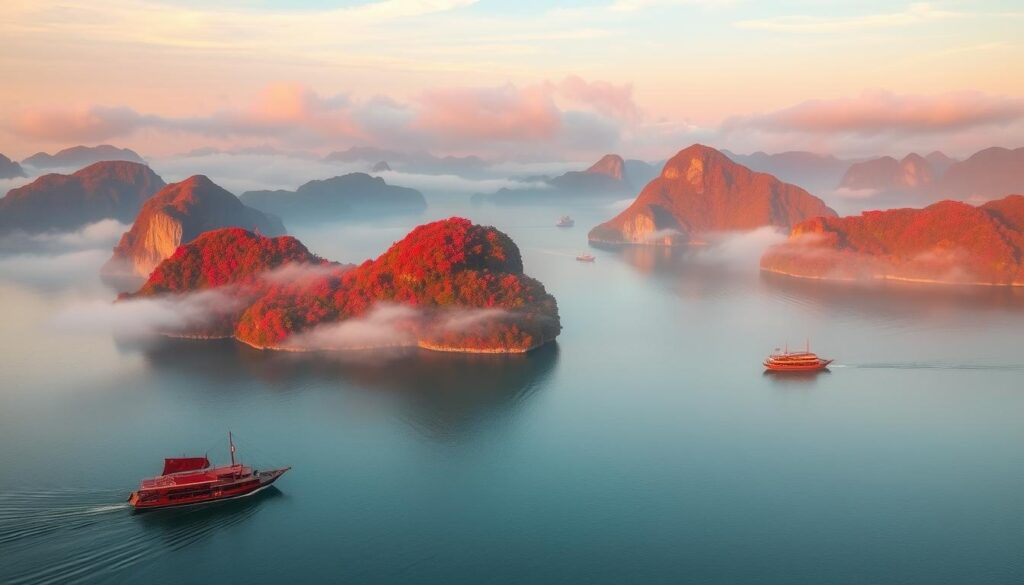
<point x="231" y="445"/>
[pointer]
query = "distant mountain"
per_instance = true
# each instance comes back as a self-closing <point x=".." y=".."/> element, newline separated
<point x="607" y="178"/>
<point x="346" y="197"/>
<point x="947" y="242"/>
<point x="888" y="175"/>
<point x="381" y="167"/>
<point x="815" y="172"/>
<point x="412" y="162"/>
<point x="80" y="156"/>
<point x="175" y="216"/>
<point x="448" y="285"/>
<point x="701" y="190"/>
<point x="993" y="172"/>
<point x="639" y="172"/>
<point x="940" y="162"/>
<point x="10" y="169"/>
<point x="246" y="151"/>
<point x="104" y="190"/>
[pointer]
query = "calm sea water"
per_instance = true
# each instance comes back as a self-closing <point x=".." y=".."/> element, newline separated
<point x="645" y="446"/>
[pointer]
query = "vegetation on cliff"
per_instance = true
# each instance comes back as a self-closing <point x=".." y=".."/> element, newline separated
<point x="949" y="242"/>
<point x="450" y="285"/>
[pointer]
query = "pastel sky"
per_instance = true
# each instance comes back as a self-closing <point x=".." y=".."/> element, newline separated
<point x="515" y="79"/>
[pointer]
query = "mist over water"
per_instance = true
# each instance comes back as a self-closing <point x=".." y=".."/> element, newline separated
<point x="645" y="445"/>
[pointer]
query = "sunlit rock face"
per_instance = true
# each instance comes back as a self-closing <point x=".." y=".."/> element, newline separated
<point x="104" y="190"/>
<point x="449" y="286"/>
<point x="701" y="190"/>
<point x="610" y="165"/>
<point x="176" y="215"/>
<point x="947" y="242"/>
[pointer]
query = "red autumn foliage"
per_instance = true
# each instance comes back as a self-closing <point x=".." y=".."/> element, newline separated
<point x="466" y="281"/>
<point x="949" y="241"/>
<point x="225" y="256"/>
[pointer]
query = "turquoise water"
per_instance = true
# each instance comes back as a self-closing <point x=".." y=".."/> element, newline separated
<point x="645" y="446"/>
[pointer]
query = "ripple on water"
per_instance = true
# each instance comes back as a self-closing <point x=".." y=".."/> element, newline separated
<point x="88" y="536"/>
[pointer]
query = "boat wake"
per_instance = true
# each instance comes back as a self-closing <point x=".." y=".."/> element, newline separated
<point x="931" y="366"/>
<point x="89" y="536"/>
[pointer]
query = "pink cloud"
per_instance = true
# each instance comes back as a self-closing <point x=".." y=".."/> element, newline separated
<point x="505" y="114"/>
<point x="570" y="114"/>
<point x="611" y="100"/>
<point x="878" y="112"/>
<point x="94" y="124"/>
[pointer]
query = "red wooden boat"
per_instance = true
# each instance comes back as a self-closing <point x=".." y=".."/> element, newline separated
<point x="190" y="480"/>
<point x="795" y="361"/>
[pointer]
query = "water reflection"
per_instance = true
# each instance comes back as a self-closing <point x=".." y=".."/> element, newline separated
<point x="692" y="272"/>
<point x="443" y="394"/>
<point x="180" y="527"/>
<point x="795" y="380"/>
<point x="892" y="300"/>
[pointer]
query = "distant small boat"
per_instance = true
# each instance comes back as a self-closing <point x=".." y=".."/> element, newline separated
<point x="795" y="361"/>
<point x="585" y="258"/>
<point x="190" y="480"/>
<point x="566" y="221"/>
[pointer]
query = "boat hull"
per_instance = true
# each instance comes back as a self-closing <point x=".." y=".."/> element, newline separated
<point x="809" y="367"/>
<point x="239" y="489"/>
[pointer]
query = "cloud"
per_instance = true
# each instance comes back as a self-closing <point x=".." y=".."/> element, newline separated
<point x="388" y="325"/>
<point x="297" y="273"/>
<point x="615" y="101"/>
<point x="506" y="113"/>
<point x="619" y="205"/>
<point x="101" y="235"/>
<point x="638" y="5"/>
<point x="917" y="13"/>
<point x="878" y="122"/>
<point x="874" y="112"/>
<point x="848" y="193"/>
<point x="383" y="326"/>
<point x="240" y="172"/>
<point x="47" y="270"/>
<point x="739" y="250"/>
<point x="91" y="124"/>
<point x="147" y="316"/>
<point x="291" y="115"/>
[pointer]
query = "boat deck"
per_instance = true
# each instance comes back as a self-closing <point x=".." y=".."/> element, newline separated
<point x="185" y="478"/>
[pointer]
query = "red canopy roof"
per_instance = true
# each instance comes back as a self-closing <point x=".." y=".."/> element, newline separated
<point x="178" y="464"/>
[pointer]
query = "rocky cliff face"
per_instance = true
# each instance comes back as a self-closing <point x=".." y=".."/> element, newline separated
<point x="947" y="242"/>
<point x="611" y="166"/>
<point x="105" y="190"/>
<point x="174" y="216"/>
<point x="449" y="285"/>
<point x="701" y="190"/>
